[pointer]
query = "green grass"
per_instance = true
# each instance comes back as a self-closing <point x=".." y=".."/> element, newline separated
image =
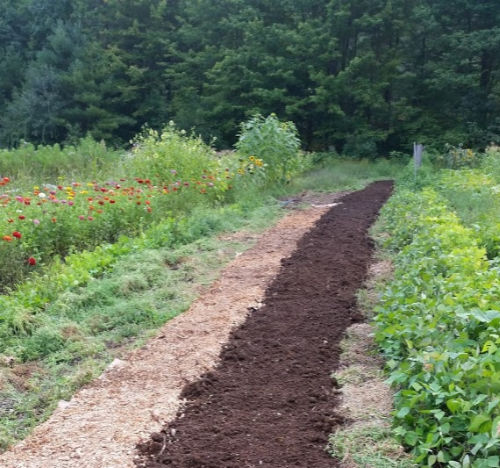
<point x="339" y="174"/>
<point x="29" y="165"/>
<point x="368" y="446"/>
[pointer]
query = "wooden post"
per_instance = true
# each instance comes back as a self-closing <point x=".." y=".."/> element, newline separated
<point x="418" y="151"/>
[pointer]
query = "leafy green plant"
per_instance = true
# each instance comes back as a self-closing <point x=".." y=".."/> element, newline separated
<point x="276" y="143"/>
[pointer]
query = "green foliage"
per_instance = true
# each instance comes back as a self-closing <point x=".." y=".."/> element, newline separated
<point x="276" y="143"/>
<point x="176" y="174"/>
<point x="438" y="327"/>
<point x="474" y="195"/>
<point x="173" y="157"/>
<point x="457" y="157"/>
<point x="87" y="159"/>
<point x="338" y="174"/>
<point x="363" y="76"/>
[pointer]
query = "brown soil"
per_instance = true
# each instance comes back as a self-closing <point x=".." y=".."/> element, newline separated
<point x="270" y="400"/>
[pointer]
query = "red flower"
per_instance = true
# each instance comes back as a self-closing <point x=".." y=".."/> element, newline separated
<point x="32" y="261"/>
<point x="17" y="234"/>
<point x="22" y="217"/>
<point x="112" y="201"/>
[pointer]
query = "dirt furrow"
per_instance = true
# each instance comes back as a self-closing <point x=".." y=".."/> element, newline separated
<point x="270" y="401"/>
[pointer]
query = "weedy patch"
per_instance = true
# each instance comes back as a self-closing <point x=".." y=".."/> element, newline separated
<point x="366" y="400"/>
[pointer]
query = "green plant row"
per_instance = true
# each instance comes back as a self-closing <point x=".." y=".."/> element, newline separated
<point x="475" y="196"/>
<point x="438" y="325"/>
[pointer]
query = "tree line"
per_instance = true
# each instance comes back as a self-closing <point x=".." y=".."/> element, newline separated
<point x="365" y="77"/>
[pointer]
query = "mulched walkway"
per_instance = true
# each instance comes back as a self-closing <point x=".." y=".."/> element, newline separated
<point x="271" y="402"/>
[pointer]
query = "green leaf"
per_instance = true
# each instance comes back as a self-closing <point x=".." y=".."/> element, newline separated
<point x="411" y="438"/>
<point x="453" y="405"/>
<point x="403" y="412"/>
<point x="494" y="462"/>
<point x="478" y="421"/>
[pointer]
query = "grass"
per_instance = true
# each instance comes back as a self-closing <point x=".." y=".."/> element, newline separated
<point x="344" y="174"/>
<point x="368" y="446"/>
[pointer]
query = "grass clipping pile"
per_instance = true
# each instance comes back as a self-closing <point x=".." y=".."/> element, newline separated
<point x="365" y="439"/>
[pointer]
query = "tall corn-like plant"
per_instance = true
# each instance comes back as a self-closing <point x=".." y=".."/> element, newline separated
<point x="276" y="143"/>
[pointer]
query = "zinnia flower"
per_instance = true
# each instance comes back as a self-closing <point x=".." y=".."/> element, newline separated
<point x="17" y="234"/>
<point x="7" y="238"/>
<point x="32" y="261"/>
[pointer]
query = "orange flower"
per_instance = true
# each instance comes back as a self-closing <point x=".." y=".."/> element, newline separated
<point x="7" y="238"/>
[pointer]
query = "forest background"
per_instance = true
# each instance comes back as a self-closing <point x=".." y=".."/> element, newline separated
<point x="363" y="77"/>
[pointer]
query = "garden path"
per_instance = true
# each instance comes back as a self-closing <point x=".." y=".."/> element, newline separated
<point x="102" y="424"/>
